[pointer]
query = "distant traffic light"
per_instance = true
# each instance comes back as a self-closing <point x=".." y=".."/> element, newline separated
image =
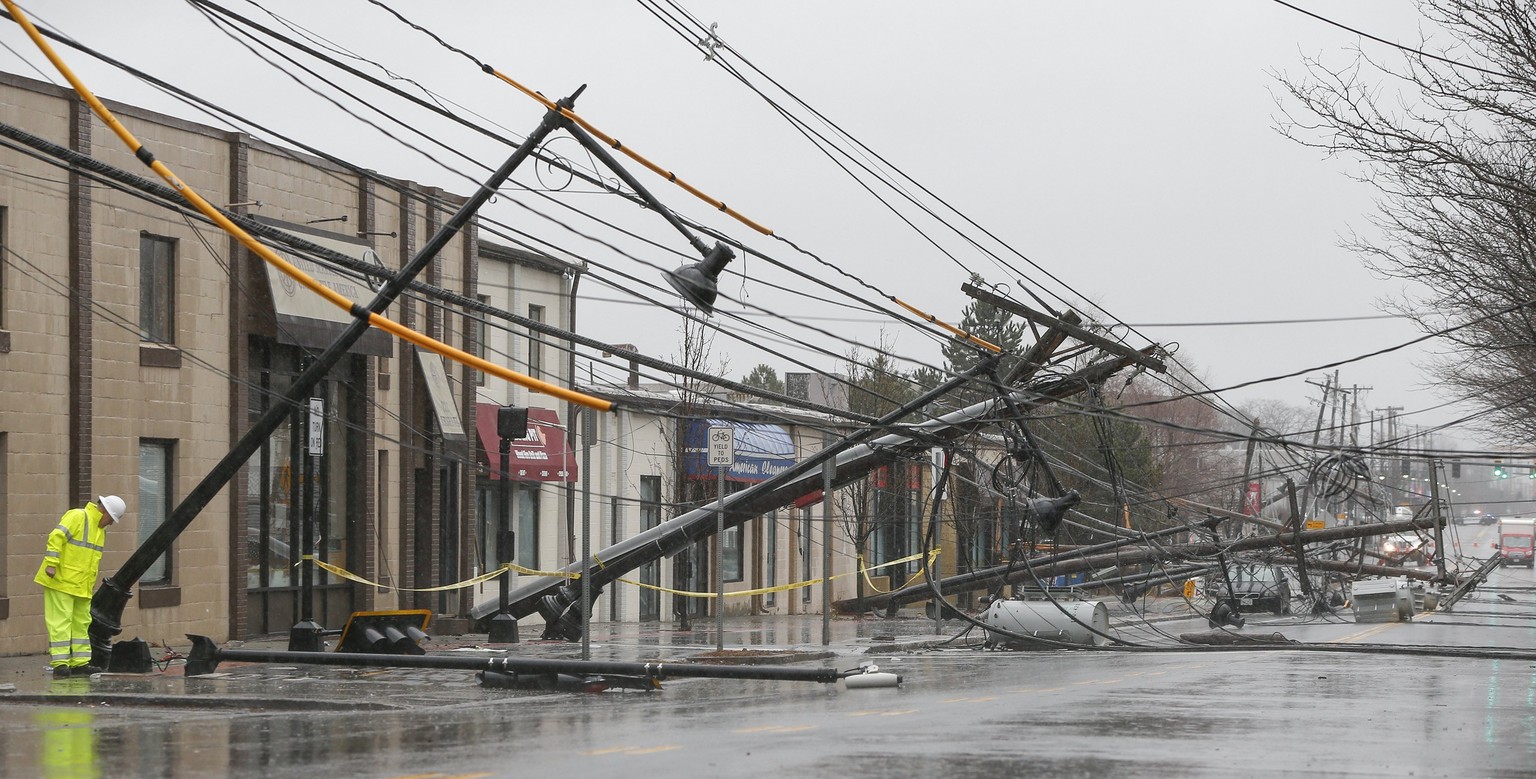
<point x="1499" y="472"/>
<point x="1456" y="469"/>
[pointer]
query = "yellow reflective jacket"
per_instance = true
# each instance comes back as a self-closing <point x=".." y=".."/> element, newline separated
<point x="74" y="550"/>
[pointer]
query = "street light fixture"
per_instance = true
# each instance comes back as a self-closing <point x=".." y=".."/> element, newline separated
<point x="698" y="282"/>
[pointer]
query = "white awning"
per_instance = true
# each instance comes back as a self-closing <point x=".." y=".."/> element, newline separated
<point x="440" y="396"/>
<point x="306" y="319"/>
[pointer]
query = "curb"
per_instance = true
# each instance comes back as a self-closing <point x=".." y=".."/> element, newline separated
<point x="245" y="704"/>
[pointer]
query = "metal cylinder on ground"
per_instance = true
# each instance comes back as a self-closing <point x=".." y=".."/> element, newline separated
<point x="1080" y="622"/>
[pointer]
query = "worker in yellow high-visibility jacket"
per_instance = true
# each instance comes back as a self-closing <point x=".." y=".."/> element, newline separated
<point x="68" y="572"/>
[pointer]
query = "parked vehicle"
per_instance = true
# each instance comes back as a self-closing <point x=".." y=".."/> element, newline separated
<point x="1517" y="537"/>
<point x="1257" y="587"/>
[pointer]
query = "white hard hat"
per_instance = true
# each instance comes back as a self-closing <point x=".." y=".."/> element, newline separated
<point x="113" y="505"/>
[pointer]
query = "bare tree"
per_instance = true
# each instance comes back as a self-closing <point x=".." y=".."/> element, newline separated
<point x="876" y="387"/>
<point x="696" y="349"/>
<point x="1186" y="440"/>
<point x="1280" y="418"/>
<point x="1446" y="134"/>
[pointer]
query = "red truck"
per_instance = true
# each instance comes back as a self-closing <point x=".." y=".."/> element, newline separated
<point x="1517" y="537"/>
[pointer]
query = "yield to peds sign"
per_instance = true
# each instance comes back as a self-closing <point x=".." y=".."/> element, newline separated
<point x="722" y="447"/>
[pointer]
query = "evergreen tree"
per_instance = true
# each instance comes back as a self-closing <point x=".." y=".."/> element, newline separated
<point x="764" y="377"/>
<point x="993" y="325"/>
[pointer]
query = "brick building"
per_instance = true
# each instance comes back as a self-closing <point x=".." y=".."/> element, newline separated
<point x="137" y="342"/>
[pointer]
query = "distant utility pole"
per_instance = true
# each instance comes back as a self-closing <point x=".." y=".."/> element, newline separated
<point x="1390" y="421"/>
<point x="1322" y="407"/>
<point x="1354" y="414"/>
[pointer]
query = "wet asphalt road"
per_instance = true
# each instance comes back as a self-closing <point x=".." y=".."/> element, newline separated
<point x="962" y="712"/>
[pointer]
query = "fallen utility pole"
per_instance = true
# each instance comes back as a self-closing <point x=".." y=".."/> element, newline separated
<point x="1362" y="569"/>
<point x="855" y="457"/>
<point x="112" y="596"/>
<point x="557" y="602"/>
<point x="1126" y="553"/>
<point x="995" y="300"/>
<point x="1470" y="583"/>
<point x="206" y="656"/>
<point x="969" y="580"/>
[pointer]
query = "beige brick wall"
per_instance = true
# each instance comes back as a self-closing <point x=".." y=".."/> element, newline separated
<point x="34" y="375"/>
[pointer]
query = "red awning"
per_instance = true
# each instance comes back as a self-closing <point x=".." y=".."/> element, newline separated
<point x="808" y="499"/>
<point x="542" y="455"/>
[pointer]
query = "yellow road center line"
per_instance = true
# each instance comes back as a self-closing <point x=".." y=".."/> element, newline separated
<point x="1367" y="633"/>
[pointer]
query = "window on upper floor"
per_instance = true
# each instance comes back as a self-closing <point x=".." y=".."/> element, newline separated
<point x="157" y="289"/>
<point x="477" y="333"/>
<point x="536" y="344"/>
<point x="650" y="502"/>
<point x="5" y="261"/>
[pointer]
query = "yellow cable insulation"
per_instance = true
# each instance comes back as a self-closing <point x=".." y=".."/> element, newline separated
<point x="926" y="317"/>
<point x="614" y="143"/>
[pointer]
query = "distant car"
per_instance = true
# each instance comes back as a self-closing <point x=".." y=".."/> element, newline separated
<point x="1406" y="548"/>
<point x="1257" y="587"/>
<point x="1488" y="519"/>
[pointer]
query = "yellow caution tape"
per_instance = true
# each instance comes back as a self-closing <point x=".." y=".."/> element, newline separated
<point x="932" y="555"/>
<point x="910" y="581"/>
<point x="484" y="577"/>
<point x="492" y="574"/>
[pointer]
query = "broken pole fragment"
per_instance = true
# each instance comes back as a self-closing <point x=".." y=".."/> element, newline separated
<point x="1086" y="336"/>
<point x="206" y="656"/>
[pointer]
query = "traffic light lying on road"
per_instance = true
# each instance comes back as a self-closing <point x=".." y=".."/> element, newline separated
<point x="385" y="632"/>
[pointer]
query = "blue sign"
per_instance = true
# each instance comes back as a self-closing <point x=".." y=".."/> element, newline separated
<point x="762" y="450"/>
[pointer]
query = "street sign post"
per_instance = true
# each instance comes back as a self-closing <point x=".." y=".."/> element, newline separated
<point x="722" y="455"/>
<point x="722" y="447"/>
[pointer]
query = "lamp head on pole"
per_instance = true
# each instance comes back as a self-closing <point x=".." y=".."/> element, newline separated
<point x="697" y="282"/>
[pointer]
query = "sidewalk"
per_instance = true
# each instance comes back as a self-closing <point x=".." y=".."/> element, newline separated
<point x="771" y="639"/>
<point x="778" y="640"/>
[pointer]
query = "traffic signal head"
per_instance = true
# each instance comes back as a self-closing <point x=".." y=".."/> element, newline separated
<point x="512" y="422"/>
<point x="385" y="632"/>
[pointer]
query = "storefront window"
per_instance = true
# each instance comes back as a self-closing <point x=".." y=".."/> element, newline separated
<point x="285" y="474"/>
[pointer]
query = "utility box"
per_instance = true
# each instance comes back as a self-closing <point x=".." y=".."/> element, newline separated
<point x="1382" y="600"/>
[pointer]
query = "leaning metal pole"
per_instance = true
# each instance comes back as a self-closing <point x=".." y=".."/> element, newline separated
<point x="855" y="456"/>
<point x="113" y="594"/>
<point x="556" y="603"/>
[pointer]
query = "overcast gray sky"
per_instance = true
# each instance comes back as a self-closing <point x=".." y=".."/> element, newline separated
<point x="1127" y="149"/>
